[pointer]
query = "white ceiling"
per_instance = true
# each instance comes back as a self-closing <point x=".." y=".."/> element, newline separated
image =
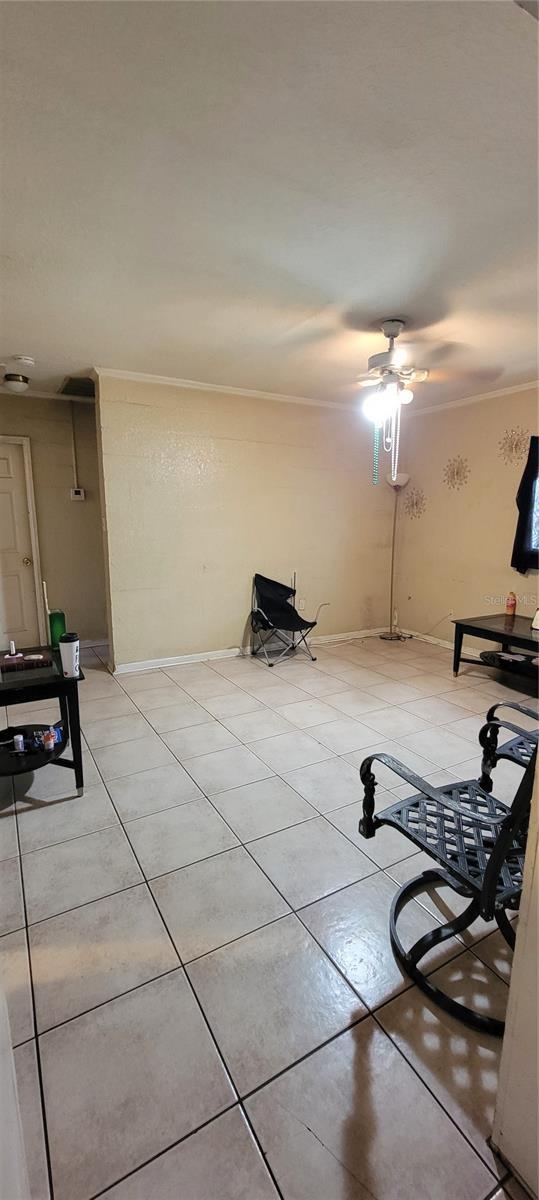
<point x="236" y="192"/>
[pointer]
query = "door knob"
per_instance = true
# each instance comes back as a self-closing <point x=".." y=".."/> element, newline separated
<point x="27" y="562"/>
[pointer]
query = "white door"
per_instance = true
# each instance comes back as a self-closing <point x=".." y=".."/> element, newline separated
<point x="18" y="606"/>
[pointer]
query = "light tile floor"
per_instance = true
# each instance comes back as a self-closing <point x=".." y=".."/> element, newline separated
<point x="203" y="1000"/>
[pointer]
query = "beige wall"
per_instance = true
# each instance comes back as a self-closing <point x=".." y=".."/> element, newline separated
<point x="70" y="538"/>
<point x="203" y="489"/>
<point x="457" y="554"/>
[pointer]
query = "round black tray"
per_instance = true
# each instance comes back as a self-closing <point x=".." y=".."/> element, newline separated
<point x="12" y="763"/>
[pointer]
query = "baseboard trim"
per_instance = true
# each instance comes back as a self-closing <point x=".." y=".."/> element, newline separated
<point x="433" y="641"/>
<point x="354" y="636"/>
<point x="426" y="637"/>
<point x="178" y="660"/>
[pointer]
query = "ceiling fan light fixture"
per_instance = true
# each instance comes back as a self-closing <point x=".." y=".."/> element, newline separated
<point x="372" y="409"/>
<point x="17" y="380"/>
<point x="382" y="403"/>
<point x="16" y="383"/>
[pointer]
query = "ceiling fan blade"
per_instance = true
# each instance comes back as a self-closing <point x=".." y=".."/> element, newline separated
<point x="480" y="377"/>
<point x="432" y="353"/>
<point x="366" y="381"/>
<point x="315" y="327"/>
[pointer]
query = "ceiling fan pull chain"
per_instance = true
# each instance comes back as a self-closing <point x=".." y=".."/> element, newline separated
<point x="387" y="435"/>
<point x="376" y="454"/>
<point x="396" y="431"/>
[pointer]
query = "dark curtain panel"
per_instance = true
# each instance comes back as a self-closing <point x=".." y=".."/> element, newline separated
<point x="526" y="546"/>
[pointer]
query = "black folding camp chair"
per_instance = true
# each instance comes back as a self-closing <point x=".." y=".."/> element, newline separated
<point x="518" y="749"/>
<point x="478" y="842"/>
<point x="273" y="616"/>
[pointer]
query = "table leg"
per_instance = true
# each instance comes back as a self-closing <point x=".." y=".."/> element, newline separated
<point x="74" y="733"/>
<point x="64" y="711"/>
<point x="459" y="634"/>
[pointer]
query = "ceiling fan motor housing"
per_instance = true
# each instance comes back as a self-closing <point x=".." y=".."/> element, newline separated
<point x="379" y="363"/>
<point x="392" y="328"/>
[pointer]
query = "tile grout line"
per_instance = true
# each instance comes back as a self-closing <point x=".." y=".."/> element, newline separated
<point x="34" y="1021"/>
<point x="154" y="1158"/>
<point x="453" y="1120"/>
<point x="501" y="1183"/>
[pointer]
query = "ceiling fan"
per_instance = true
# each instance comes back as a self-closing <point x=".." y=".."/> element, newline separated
<point x="391" y="362"/>
<point x="389" y="375"/>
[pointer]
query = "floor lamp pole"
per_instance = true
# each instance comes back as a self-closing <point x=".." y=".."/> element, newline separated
<point x="396" y="485"/>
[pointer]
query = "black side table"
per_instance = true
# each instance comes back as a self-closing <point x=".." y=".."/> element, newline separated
<point x="44" y="683"/>
<point x="508" y="631"/>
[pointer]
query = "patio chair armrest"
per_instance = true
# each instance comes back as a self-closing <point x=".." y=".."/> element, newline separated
<point x="400" y="769"/>
<point x="489" y="731"/>
<point x="521" y="708"/>
<point x="369" y="823"/>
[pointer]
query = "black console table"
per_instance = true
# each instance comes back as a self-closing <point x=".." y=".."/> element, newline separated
<point x="43" y="683"/>
<point x="507" y="631"/>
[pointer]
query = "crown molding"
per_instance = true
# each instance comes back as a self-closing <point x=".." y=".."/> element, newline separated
<point x="465" y="400"/>
<point x="254" y="394"/>
<point x="222" y="389"/>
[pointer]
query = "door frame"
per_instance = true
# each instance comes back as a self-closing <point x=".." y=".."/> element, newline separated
<point x="32" y="520"/>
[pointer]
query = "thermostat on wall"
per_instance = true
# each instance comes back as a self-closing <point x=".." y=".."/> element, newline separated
<point x="78" y="494"/>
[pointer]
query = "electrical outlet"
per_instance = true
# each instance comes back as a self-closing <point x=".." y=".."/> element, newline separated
<point x="78" y="494"/>
<point x="450" y="612"/>
<point x="301" y="604"/>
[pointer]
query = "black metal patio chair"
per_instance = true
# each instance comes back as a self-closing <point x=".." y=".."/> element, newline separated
<point x="479" y="845"/>
<point x="273" y="616"/>
<point x="518" y="749"/>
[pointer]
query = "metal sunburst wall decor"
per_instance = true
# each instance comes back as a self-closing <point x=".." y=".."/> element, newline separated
<point x="513" y="446"/>
<point x="415" y="503"/>
<point x="456" y="472"/>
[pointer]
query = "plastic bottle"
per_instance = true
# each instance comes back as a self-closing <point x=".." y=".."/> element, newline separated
<point x="49" y="739"/>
